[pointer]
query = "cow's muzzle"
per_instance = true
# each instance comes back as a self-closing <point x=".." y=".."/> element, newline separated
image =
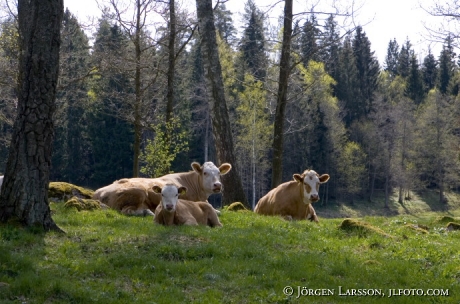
<point x="314" y="197"/>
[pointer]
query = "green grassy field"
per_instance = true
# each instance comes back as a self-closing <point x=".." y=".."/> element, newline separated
<point x="106" y="257"/>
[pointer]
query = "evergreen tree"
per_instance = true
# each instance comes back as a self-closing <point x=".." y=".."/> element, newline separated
<point x="446" y="65"/>
<point x="368" y="71"/>
<point x="252" y="44"/>
<point x="330" y="44"/>
<point x="392" y="57"/>
<point x="224" y="23"/>
<point x="415" y="81"/>
<point x="308" y="41"/>
<point x="109" y="132"/>
<point x="429" y="72"/>
<point x="70" y="159"/>
<point x="404" y="59"/>
<point x="347" y="86"/>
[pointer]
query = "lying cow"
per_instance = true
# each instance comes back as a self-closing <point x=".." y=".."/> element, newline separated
<point x="175" y="211"/>
<point x="293" y="199"/>
<point x="135" y="196"/>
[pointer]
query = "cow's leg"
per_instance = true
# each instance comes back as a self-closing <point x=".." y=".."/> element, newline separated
<point x="213" y="220"/>
<point x="191" y="221"/>
<point x="311" y="214"/>
<point x="130" y="210"/>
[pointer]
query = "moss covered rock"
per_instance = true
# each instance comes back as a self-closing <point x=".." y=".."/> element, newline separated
<point x="60" y="191"/>
<point x="418" y="228"/>
<point x="236" y="206"/>
<point x="453" y="226"/>
<point x="82" y="204"/>
<point x="362" y="228"/>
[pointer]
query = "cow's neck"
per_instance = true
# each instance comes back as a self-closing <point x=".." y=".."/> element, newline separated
<point x="194" y="184"/>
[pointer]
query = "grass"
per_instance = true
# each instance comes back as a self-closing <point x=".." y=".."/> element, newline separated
<point x="106" y="257"/>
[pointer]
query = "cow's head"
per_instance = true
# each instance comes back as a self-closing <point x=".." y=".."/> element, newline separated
<point x="210" y="175"/>
<point x="169" y="195"/>
<point x="310" y="181"/>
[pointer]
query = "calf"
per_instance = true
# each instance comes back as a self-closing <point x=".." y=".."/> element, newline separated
<point x="293" y="199"/>
<point x="175" y="211"/>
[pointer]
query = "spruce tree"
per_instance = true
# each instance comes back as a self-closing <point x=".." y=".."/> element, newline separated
<point x="429" y="72"/>
<point x="368" y="71"/>
<point x="415" y="81"/>
<point x="308" y="41"/>
<point x="391" y="59"/>
<point x="252" y="44"/>
<point x="109" y="132"/>
<point x="446" y="65"/>
<point x="70" y="158"/>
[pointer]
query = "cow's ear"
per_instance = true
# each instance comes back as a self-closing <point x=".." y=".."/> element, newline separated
<point x="299" y="178"/>
<point x="156" y="189"/>
<point x="197" y="167"/>
<point x="323" y="178"/>
<point x="225" y="168"/>
<point x="182" y="190"/>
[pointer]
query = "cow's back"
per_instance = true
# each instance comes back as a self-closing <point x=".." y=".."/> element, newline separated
<point x="284" y="200"/>
<point x="190" y="180"/>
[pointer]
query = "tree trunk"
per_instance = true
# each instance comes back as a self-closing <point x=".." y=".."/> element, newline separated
<point x="137" y="89"/>
<point x="219" y="113"/>
<point x="277" y="162"/>
<point x="24" y="194"/>
<point x="171" y="61"/>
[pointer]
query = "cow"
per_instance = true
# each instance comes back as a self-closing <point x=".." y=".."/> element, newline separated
<point x="174" y="211"/>
<point x="135" y="196"/>
<point x="293" y="199"/>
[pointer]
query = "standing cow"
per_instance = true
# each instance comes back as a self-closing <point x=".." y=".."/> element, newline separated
<point x="135" y="196"/>
<point x="293" y="199"/>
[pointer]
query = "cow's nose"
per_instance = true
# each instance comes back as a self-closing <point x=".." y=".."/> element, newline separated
<point x="217" y="187"/>
<point x="169" y="207"/>
<point x="314" y="197"/>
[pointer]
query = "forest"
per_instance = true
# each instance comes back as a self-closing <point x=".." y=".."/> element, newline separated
<point x="377" y="128"/>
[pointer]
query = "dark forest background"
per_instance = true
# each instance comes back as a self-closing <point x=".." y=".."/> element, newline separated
<point x="375" y="127"/>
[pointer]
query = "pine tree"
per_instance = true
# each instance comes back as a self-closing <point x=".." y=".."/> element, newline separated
<point x="368" y="72"/>
<point x="404" y="59"/>
<point x="446" y="65"/>
<point x="309" y="49"/>
<point x="109" y="132"/>
<point x="330" y="44"/>
<point x="252" y="44"/>
<point x="70" y="159"/>
<point x="391" y="59"/>
<point x="347" y="86"/>
<point x="414" y="81"/>
<point x="429" y="72"/>
<point x="224" y="23"/>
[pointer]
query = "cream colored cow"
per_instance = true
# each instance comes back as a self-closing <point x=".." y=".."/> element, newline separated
<point x="293" y="199"/>
<point x="174" y="211"/>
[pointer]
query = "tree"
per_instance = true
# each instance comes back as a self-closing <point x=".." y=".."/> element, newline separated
<point x="415" y="89"/>
<point x="446" y="65"/>
<point x="429" y="72"/>
<point x="219" y="113"/>
<point x="24" y="193"/>
<point x="404" y="59"/>
<point x="70" y="156"/>
<point x="252" y="44"/>
<point x="437" y="158"/>
<point x="281" y="99"/>
<point x="368" y="71"/>
<point x="309" y="48"/>
<point x="391" y="60"/>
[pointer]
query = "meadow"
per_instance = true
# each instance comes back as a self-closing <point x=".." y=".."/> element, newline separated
<point x="106" y="257"/>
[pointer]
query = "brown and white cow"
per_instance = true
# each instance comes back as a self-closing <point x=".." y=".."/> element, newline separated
<point x="135" y="196"/>
<point x="174" y="211"/>
<point x="293" y="199"/>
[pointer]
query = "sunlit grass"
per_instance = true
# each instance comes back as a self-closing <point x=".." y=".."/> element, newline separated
<point x="106" y="257"/>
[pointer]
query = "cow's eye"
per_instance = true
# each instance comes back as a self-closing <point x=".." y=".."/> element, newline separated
<point x="205" y="173"/>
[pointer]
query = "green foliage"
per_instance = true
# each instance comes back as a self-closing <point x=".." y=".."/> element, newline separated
<point x="351" y="168"/>
<point x="106" y="257"/>
<point x="159" y="153"/>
